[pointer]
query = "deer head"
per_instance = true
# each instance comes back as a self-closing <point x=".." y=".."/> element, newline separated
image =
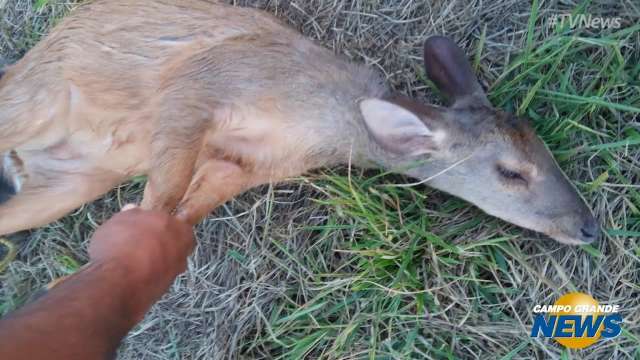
<point x="488" y="157"/>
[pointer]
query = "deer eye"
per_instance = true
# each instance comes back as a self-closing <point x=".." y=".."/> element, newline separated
<point x="511" y="175"/>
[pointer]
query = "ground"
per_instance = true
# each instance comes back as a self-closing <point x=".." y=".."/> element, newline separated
<point x="339" y="264"/>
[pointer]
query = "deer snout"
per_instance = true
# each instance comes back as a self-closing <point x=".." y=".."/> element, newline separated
<point x="590" y="230"/>
<point x="575" y="229"/>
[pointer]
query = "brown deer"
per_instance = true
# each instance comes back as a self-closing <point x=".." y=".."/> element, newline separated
<point x="210" y="100"/>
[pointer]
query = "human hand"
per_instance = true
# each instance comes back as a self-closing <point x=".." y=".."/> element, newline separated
<point x="135" y="256"/>
<point x="151" y="247"/>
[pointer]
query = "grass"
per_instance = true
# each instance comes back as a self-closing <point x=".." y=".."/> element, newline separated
<point x="346" y="264"/>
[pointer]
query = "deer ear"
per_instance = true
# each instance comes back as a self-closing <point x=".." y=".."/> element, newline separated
<point x="395" y="128"/>
<point x="447" y="66"/>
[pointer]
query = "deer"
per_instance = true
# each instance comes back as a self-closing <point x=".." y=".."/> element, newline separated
<point x="209" y="100"/>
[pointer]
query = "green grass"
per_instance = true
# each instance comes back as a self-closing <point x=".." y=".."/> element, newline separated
<point x="7" y="253"/>
<point x="392" y="249"/>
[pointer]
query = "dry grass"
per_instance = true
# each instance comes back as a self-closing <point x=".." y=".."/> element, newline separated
<point x="298" y="270"/>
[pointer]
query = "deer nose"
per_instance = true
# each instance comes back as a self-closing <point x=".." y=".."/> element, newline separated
<point x="590" y="230"/>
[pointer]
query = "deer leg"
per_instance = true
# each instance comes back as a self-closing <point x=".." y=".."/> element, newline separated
<point x="215" y="182"/>
<point x="41" y="201"/>
<point x="175" y="145"/>
<point x="168" y="180"/>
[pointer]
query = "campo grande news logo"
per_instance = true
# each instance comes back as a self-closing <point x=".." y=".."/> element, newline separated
<point x="576" y="321"/>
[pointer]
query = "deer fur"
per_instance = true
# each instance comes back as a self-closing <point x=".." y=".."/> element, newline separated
<point x="210" y="100"/>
